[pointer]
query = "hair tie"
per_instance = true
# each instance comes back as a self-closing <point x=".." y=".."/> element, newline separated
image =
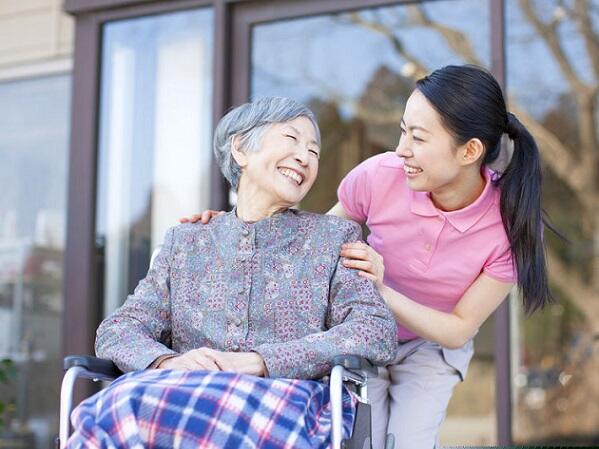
<point x="512" y="126"/>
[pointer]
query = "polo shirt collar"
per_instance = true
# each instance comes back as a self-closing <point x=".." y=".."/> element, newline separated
<point x="461" y="219"/>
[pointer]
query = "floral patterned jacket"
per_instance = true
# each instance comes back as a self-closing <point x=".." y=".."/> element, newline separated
<point x="276" y="287"/>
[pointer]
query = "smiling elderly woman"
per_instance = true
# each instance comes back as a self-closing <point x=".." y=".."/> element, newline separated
<point x="257" y="294"/>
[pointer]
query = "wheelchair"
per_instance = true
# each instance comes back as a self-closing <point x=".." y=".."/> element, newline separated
<point x="351" y="370"/>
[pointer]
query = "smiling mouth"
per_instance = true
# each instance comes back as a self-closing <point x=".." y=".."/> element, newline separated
<point x="411" y="170"/>
<point x="292" y="174"/>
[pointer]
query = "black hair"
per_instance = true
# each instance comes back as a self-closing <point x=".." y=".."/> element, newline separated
<point x="471" y="105"/>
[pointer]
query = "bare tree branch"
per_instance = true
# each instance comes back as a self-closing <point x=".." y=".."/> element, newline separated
<point x="587" y="134"/>
<point x="382" y="116"/>
<point x="419" y="69"/>
<point x="548" y="33"/>
<point x="456" y="40"/>
<point x="555" y="154"/>
<point x="586" y="29"/>
<point x="579" y="294"/>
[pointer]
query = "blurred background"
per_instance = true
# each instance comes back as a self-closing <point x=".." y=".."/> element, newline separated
<point x="106" y="114"/>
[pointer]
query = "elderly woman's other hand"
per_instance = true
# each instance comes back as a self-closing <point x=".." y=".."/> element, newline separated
<point x="204" y="217"/>
<point x="213" y="360"/>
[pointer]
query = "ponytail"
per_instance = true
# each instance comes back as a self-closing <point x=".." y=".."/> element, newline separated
<point x="522" y="216"/>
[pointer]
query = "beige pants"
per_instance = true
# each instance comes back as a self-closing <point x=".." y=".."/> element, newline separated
<point x="409" y="398"/>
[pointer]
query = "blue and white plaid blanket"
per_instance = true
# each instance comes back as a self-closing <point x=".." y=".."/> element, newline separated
<point x="165" y="409"/>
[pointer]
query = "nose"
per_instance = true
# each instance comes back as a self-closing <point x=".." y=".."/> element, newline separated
<point x="404" y="148"/>
<point x="302" y="155"/>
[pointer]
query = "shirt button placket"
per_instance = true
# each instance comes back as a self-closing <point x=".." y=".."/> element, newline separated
<point x="240" y="305"/>
<point x="431" y="244"/>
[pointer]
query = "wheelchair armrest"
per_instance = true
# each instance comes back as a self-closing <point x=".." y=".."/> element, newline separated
<point x="94" y="364"/>
<point x="356" y="364"/>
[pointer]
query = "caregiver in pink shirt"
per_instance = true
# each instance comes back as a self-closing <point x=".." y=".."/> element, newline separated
<point x="449" y="239"/>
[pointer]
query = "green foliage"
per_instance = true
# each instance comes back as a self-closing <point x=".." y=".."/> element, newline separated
<point x="7" y="406"/>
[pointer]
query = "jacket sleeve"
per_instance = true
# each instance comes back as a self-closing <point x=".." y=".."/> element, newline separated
<point x="139" y="331"/>
<point x="358" y="322"/>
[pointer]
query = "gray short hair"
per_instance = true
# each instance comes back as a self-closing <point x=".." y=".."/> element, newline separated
<point x="248" y="122"/>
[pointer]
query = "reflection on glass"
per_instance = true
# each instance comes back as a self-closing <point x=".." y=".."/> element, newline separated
<point x="553" y="81"/>
<point x="155" y="131"/>
<point x="34" y="130"/>
<point x="356" y="71"/>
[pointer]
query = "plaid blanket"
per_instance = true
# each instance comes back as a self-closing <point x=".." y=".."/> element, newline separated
<point x="165" y="409"/>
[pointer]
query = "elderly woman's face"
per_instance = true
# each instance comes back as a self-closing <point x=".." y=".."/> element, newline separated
<point x="285" y="166"/>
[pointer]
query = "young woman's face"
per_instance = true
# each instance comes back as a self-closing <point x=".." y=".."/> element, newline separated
<point x="284" y="169"/>
<point x="428" y="149"/>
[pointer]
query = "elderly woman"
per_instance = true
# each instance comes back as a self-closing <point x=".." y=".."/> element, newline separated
<point x="234" y="314"/>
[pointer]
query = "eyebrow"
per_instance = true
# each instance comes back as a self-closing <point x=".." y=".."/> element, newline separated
<point x="297" y="132"/>
<point x="420" y="128"/>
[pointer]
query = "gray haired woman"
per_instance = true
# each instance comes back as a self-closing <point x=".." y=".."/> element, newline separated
<point x="238" y="314"/>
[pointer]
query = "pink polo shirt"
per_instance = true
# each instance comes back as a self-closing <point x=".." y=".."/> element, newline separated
<point x="431" y="256"/>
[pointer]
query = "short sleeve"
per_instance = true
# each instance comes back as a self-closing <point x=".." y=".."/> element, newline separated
<point x="355" y="190"/>
<point x="501" y="267"/>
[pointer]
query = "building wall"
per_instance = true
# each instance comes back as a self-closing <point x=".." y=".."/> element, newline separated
<point x="34" y="31"/>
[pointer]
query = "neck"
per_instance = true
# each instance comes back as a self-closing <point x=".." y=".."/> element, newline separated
<point x="460" y="196"/>
<point x="252" y="206"/>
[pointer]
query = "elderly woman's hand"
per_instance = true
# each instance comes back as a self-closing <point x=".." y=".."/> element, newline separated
<point x="362" y="257"/>
<point x="204" y="217"/>
<point x="213" y="360"/>
<point x="196" y="359"/>
<point x="240" y="362"/>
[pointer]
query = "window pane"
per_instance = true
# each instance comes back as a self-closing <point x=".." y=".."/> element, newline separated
<point x="555" y="352"/>
<point x="155" y="132"/>
<point x="34" y="133"/>
<point x="356" y="70"/>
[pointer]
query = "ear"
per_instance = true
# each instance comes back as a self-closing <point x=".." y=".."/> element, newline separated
<point x="237" y="153"/>
<point x="471" y="152"/>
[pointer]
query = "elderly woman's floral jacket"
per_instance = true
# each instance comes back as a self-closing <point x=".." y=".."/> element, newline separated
<point x="276" y="287"/>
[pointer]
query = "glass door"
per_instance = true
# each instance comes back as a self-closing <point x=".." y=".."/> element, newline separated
<point x="155" y="131"/>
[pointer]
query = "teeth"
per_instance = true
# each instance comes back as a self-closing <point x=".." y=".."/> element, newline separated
<point x="291" y="174"/>
<point x="411" y="170"/>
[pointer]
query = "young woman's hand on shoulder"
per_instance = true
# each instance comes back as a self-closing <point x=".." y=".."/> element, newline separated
<point x="362" y="257"/>
<point x="203" y="217"/>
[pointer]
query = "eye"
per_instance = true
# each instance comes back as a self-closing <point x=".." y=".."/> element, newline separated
<point x="291" y="136"/>
<point x="417" y="139"/>
<point x="402" y="130"/>
<point x="315" y="153"/>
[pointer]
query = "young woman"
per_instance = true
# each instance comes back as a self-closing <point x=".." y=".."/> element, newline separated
<point x="449" y="238"/>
